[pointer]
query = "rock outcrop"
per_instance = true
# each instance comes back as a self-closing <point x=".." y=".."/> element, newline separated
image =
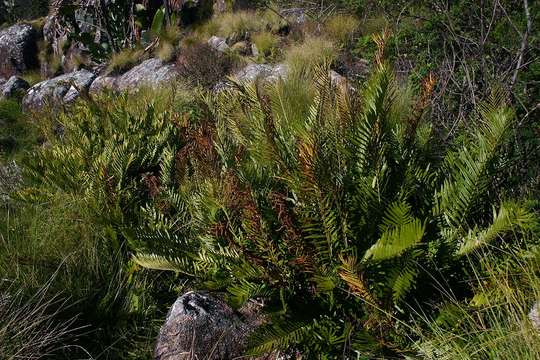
<point x="18" y="48"/>
<point x="57" y="91"/>
<point x="13" y="87"/>
<point x="200" y="326"/>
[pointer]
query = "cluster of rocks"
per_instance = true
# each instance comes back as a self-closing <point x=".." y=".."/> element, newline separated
<point x="66" y="88"/>
<point x="19" y="42"/>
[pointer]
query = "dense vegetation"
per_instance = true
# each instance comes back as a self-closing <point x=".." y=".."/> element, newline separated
<point x="392" y="216"/>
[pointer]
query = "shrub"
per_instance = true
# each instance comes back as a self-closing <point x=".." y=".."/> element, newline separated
<point x="344" y="216"/>
<point x="204" y="66"/>
<point x="341" y="28"/>
<point x="124" y="60"/>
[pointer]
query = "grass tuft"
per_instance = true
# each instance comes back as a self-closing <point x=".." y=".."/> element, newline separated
<point x="124" y="60"/>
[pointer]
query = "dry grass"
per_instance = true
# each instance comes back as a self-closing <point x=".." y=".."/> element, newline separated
<point x="235" y="26"/>
<point x="312" y="52"/>
<point x="30" y="329"/>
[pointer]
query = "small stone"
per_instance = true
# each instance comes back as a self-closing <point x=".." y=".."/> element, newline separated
<point x="534" y="316"/>
<point x="218" y="43"/>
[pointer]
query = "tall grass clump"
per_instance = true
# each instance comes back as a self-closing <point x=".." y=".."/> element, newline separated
<point x="306" y="56"/>
<point x="341" y="28"/>
<point x="498" y="322"/>
<point x="124" y="60"/>
<point x="29" y="328"/>
<point x="17" y="133"/>
<point x="266" y="43"/>
<point x="234" y="25"/>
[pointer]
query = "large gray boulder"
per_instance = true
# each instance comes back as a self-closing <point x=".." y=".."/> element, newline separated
<point x="151" y="73"/>
<point x="296" y="16"/>
<point x="57" y="91"/>
<point x="103" y="83"/>
<point x="199" y="326"/>
<point x="255" y="72"/>
<point x="18" y="48"/>
<point x="14" y="86"/>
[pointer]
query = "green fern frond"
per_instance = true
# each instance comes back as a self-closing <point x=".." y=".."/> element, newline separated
<point x="508" y="218"/>
<point x="401" y="231"/>
<point x="241" y="292"/>
<point x="277" y="336"/>
<point x="158" y="262"/>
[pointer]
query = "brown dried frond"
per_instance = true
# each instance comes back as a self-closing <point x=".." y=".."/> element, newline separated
<point x="152" y="184"/>
<point x="355" y="280"/>
<point x="381" y="39"/>
<point x="428" y="85"/>
<point x="306" y="154"/>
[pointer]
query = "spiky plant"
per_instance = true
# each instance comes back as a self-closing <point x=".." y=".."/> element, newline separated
<point x="338" y="209"/>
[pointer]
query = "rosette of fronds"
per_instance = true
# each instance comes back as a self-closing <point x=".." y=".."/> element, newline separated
<point x="338" y="209"/>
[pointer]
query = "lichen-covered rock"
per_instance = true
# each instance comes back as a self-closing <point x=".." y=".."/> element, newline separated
<point x="297" y="16"/>
<point x="217" y="43"/>
<point x="18" y="48"/>
<point x="14" y="86"/>
<point x="57" y="91"/>
<point x="253" y="72"/>
<point x="199" y="326"/>
<point x="151" y="73"/>
<point x="340" y="81"/>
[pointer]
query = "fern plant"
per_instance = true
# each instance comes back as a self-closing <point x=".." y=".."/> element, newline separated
<point x="339" y="209"/>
